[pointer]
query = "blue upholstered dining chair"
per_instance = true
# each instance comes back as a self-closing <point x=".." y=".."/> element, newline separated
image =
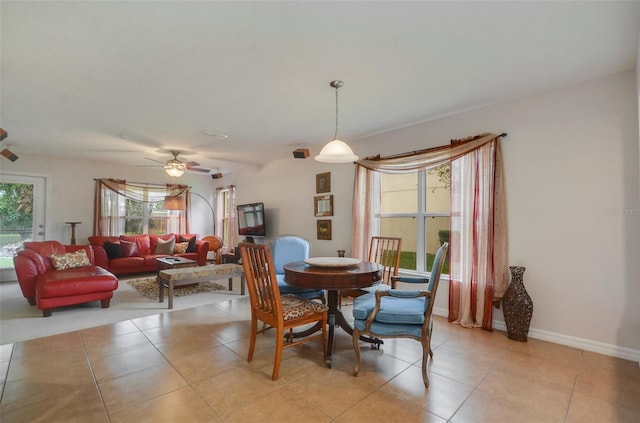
<point x="286" y="249"/>
<point x="396" y="313"/>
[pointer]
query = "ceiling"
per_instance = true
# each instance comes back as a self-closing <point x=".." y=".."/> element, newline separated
<point x="120" y="82"/>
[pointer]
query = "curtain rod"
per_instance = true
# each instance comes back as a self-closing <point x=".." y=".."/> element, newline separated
<point x="424" y="150"/>
<point x="144" y="183"/>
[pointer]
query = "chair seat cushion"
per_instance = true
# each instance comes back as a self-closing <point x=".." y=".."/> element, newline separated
<point x="294" y="307"/>
<point x="378" y="287"/>
<point x="307" y="293"/>
<point x="392" y="310"/>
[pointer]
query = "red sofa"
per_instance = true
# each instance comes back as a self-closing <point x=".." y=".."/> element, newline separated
<point x="143" y="258"/>
<point x="45" y="286"/>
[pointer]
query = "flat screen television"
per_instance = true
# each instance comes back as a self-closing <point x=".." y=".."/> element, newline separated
<point x="251" y="219"/>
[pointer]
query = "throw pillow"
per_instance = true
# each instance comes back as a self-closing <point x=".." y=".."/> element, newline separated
<point x="70" y="260"/>
<point x="165" y="247"/>
<point x="129" y="249"/>
<point x="113" y="249"/>
<point x="180" y="248"/>
<point x="192" y="244"/>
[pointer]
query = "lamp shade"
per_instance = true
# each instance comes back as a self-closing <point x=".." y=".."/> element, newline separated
<point x="336" y="151"/>
<point x="176" y="202"/>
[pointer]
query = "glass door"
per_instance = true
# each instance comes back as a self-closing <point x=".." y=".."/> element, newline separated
<point x="22" y="217"/>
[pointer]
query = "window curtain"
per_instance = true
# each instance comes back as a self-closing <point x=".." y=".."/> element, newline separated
<point x="366" y="206"/>
<point x="231" y="240"/>
<point x="109" y="205"/>
<point x="478" y="246"/>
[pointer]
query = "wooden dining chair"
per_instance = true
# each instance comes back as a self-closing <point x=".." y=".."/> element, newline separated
<point x="282" y="312"/>
<point x="385" y="251"/>
<point x="396" y="313"/>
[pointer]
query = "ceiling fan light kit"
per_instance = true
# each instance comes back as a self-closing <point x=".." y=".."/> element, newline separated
<point x="336" y="151"/>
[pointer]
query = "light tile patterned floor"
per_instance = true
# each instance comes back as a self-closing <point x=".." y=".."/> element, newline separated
<point x="190" y="366"/>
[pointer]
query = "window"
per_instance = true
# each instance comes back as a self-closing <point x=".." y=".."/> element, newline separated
<point x="134" y="208"/>
<point x="146" y="218"/>
<point x="416" y="207"/>
<point x="226" y="211"/>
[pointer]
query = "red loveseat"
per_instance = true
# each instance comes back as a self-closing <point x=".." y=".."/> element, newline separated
<point x="138" y="252"/>
<point x="42" y="284"/>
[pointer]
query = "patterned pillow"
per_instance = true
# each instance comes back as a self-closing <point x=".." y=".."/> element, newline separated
<point x="192" y="243"/>
<point x="165" y="247"/>
<point x="70" y="260"/>
<point x="180" y="248"/>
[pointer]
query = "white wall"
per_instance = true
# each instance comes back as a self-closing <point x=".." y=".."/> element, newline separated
<point x="571" y="166"/>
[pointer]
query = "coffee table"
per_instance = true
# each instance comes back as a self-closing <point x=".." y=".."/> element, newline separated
<point x="166" y="263"/>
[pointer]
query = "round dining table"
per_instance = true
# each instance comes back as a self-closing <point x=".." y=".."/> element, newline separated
<point x="333" y="279"/>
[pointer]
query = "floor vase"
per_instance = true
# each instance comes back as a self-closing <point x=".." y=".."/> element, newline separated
<point x="517" y="306"/>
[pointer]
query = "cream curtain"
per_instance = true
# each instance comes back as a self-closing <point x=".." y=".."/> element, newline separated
<point x="478" y="245"/>
<point x="109" y="204"/>
<point x="231" y="240"/>
<point x="366" y="206"/>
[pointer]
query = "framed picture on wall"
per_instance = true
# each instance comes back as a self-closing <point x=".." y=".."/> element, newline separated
<point x="324" y="229"/>
<point x="323" y="182"/>
<point x="323" y="205"/>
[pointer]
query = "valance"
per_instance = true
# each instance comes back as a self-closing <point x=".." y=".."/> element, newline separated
<point x="428" y="158"/>
<point x="146" y="193"/>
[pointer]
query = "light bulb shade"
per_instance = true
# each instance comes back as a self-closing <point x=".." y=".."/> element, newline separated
<point x="174" y="170"/>
<point x="176" y="202"/>
<point x="336" y="152"/>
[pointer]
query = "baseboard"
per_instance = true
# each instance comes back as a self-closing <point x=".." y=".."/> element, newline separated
<point x="570" y="341"/>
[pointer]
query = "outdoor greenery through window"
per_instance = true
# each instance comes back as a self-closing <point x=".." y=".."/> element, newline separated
<point x="145" y="218"/>
<point x="416" y="207"/>
<point x="16" y="219"/>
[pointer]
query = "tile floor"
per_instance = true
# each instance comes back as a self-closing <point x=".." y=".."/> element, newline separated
<point x="190" y="366"/>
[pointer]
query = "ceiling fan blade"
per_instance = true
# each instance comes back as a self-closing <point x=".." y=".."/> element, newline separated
<point x="191" y="164"/>
<point x="9" y="155"/>
<point x="198" y="169"/>
<point x="154" y="160"/>
<point x="150" y="166"/>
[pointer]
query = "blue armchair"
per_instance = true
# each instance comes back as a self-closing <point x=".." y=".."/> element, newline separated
<point x="396" y="313"/>
<point x="286" y="249"/>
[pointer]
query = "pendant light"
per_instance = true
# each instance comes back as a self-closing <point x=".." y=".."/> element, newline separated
<point x="336" y="151"/>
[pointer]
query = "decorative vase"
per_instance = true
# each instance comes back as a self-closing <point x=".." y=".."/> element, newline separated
<point x="517" y="306"/>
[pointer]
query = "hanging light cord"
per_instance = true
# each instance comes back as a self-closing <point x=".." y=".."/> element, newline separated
<point x="335" y="136"/>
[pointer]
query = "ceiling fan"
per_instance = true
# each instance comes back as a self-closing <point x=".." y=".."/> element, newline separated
<point x="6" y="153"/>
<point x="175" y="167"/>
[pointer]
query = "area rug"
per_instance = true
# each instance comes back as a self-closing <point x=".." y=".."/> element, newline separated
<point x="149" y="287"/>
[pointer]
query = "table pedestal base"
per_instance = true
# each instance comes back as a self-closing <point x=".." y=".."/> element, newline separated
<point x="335" y="318"/>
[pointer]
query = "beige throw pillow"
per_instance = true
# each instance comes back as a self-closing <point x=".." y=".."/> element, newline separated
<point x="165" y="247"/>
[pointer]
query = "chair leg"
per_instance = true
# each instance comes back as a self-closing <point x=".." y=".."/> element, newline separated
<point x="324" y="340"/>
<point x="426" y="350"/>
<point x="105" y="303"/>
<point x="252" y="338"/>
<point x="278" y="357"/>
<point x="356" y="348"/>
<point x="46" y="312"/>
